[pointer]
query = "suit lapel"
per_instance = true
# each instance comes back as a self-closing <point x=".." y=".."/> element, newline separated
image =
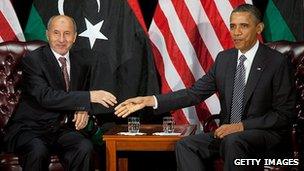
<point x="73" y="72"/>
<point x="53" y="68"/>
<point x="230" y="72"/>
<point x="256" y="71"/>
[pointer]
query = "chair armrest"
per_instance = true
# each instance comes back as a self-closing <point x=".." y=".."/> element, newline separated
<point x="210" y="123"/>
<point x="294" y="141"/>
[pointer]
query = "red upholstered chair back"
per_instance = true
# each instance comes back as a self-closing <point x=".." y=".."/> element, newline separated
<point x="10" y="76"/>
<point x="295" y="51"/>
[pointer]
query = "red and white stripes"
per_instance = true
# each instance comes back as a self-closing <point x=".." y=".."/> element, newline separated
<point x="9" y="24"/>
<point x="187" y="35"/>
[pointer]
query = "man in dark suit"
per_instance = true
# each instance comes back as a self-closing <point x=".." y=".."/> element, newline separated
<point x="255" y="88"/>
<point x="52" y="77"/>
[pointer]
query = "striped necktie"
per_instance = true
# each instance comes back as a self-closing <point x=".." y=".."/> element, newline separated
<point x="238" y="92"/>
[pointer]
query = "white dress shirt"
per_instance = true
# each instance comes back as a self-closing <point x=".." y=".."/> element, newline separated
<point x="249" y="58"/>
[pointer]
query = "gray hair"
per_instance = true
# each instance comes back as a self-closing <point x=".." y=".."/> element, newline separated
<point x="52" y="18"/>
<point x="251" y="9"/>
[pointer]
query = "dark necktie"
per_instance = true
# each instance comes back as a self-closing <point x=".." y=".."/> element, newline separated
<point x="64" y="70"/>
<point x="238" y="92"/>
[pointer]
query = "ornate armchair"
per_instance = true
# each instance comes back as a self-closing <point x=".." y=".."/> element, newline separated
<point x="10" y="77"/>
<point x="294" y="51"/>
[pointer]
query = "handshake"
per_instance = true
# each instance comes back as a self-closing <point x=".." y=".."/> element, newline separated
<point x="125" y="108"/>
<point x="107" y="99"/>
<point x="131" y="105"/>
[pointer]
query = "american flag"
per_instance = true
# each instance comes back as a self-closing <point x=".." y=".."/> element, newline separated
<point x="9" y="24"/>
<point x="186" y="36"/>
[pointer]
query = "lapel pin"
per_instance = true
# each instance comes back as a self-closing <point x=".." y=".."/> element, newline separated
<point x="259" y="69"/>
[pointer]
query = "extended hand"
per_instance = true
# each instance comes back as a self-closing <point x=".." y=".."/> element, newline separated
<point x="227" y="129"/>
<point x="81" y="119"/>
<point x="103" y="97"/>
<point x="129" y="106"/>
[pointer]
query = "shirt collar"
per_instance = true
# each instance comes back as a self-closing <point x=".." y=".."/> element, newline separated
<point x="250" y="53"/>
<point x="57" y="56"/>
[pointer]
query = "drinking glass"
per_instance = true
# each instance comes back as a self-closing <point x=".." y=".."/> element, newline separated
<point x="133" y="124"/>
<point x="168" y="124"/>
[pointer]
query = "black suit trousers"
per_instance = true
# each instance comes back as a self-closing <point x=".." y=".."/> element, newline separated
<point x="73" y="149"/>
<point x="196" y="152"/>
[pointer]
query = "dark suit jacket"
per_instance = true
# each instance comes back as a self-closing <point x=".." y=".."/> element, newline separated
<point x="43" y="100"/>
<point x="269" y="93"/>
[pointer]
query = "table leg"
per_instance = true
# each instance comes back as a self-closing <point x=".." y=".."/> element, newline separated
<point x="111" y="155"/>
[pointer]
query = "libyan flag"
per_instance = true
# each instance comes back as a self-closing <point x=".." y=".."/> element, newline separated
<point x="284" y="20"/>
<point x="110" y="38"/>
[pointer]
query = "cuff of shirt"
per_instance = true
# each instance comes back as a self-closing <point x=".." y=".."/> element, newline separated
<point x="155" y="102"/>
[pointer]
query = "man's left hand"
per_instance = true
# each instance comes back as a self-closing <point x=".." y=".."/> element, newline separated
<point x="81" y="119"/>
<point x="227" y="129"/>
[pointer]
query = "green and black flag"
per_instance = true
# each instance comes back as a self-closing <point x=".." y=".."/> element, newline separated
<point x="284" y="20"/>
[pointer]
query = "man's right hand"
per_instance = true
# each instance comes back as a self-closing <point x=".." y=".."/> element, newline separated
<point x="103" y="97"/>
<point x="129" y="106"/>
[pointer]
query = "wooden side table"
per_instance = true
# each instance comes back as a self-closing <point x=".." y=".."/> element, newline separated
<point x="148" y="142"/>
